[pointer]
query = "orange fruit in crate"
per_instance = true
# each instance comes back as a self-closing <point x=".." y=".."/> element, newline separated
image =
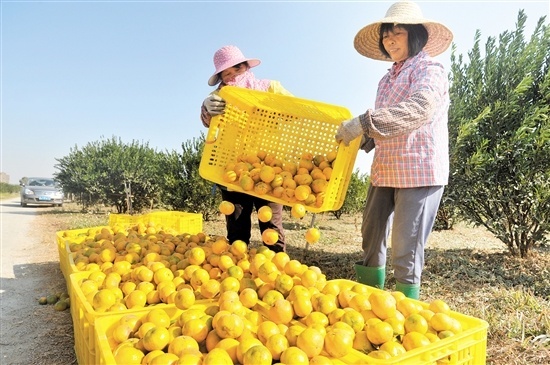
<point x="157" y="338"/>
<point x="302" y="192"/>
<point x="319" y="185"/>
<point x="230" y="346"/>
<point x="393" y="348"/>
<point x="246" y="182"/>
<point x="269" y="295"/>
<point x="354" y="319"/>
<point x="281" y="312"/>
<point x="267" y="174"/>
<point x="217" y="356"/>
<point x="311" y="341"/>
<point x="284" y="283"/>
<point x="383" y="304"/>
<point x="196" y="256"/>
<point x="197" y="328"/>
<point x="408" y="306"/>
<point x="413" y="340"/>
<point x="184" y="299"/>
<point x="103" y="299"/>
<point x="379" y="333"/>
<point x="338" y="342"/>
<point x="235" y="272"/>
<point x="276" y="344"/>
<point x="183" y="344"/>
<point x="163" y="359"/>
<point x="441" y="322"/>
<point x="293" y="267"/>
<point x="129" y="355"/>
<point x="229" y="176"/>
<point x="210" y="289"/>
<point x="265" y="213"/>
<point x="308" y="278"/>
<point x="159" y="317"/>
<point x="163" y="274"/>
<point x="416" y="323"/>
<point x="267" y="329"/>
<point x="320" y="360"/>
<point x="229" y="326"/>
<point x="248" y="297"/>
<point x="257" y="355"/>
<point x="277" y="181"/>
<point x="219" y="246"/>
<point x="361" y="342"/>
<point x="398" y="325"/>
<point x="238" y="248"/>
<point x="244" y="345"/>
<point x="270" y="236"/>
<point x="262" y="188"/>
<point x="226" y="207"/>
<point x="298" y="211"/>
<point x="312" y="235"/>
<point x="439" y="306"/>
<point x="295" y="356"/>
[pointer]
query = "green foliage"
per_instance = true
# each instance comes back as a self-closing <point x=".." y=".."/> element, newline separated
<point x="182" y="186"/>
<point x="356" y="195"/>
<point x="112" y="173"/>
<point x="500" y="137"/>
<point x="7" y="189"/>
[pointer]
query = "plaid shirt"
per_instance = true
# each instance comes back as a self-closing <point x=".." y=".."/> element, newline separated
<point x="409" y="125"/>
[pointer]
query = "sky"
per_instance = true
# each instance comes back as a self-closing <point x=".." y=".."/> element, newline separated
<point x="75" y="72"/>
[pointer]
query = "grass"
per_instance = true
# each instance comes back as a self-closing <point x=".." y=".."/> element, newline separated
<point x="464" y="267"/>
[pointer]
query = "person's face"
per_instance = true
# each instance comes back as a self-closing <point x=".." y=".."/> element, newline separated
<point x="230" y="73"/>
<point x="396" y="43"/>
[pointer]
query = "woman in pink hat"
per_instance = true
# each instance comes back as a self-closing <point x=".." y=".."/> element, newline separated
<point x="408" y="130"/>
<point x="233" y="68"/>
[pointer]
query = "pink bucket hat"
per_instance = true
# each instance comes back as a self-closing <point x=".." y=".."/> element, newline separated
<point x="226" y="57"/>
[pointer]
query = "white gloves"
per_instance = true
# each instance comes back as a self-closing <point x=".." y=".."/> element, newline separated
<point x="349" y="130"/>
<point x="214" y="104"/>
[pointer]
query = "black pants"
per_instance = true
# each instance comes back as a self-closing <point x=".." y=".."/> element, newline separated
<point x="239" y="224"/>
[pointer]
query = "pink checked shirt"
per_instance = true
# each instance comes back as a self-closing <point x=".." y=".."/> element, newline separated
<point x="409" y="125"/>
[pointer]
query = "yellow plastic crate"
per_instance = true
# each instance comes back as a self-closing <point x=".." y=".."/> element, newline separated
<point x="466" y="348"/>
<point x="181" y="222"/>
<point x="64" y="241"/>
<point x="281" y="125"/>
<point x="84" y="318"/>
<point x="105" y="325"/>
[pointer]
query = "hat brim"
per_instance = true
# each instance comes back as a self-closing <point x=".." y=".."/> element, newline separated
<point x="216" y="79"/>
<point x="366" y="41"/>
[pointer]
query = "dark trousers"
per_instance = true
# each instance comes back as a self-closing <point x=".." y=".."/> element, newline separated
<point x="239" y="224"/>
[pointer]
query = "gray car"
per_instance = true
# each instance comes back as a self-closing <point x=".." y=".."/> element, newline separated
<point x="41" y="191"/>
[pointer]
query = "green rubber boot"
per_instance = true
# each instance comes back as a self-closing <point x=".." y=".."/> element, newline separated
<point x="372" y="276"/>
<point x="410" y="290"/>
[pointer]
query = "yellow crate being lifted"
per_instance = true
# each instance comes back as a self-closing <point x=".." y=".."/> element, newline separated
<point x="284" y="126"/>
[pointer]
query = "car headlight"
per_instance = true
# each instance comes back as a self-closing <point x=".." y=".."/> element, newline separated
<point x="29" y="192"/>
<point x="58" y="194"/>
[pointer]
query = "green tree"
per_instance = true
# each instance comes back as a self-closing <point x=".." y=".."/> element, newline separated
<point x="500" y="136"/>
<point x="356" y="195"/>
<point x="182" y="186"/>
<point x="112" y="173"/>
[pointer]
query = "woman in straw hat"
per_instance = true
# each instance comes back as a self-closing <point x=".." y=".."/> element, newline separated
<point x="407" y="128"/>
<point x="233" y="68"/>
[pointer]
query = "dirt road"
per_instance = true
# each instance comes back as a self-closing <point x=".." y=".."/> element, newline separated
<point x="30" y="333"/>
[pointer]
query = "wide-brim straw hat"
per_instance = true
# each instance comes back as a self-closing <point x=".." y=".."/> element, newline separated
<point x="226" y="57"/>
<point x="366" y="41"/>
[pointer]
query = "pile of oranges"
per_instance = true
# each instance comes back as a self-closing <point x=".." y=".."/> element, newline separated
<point x="304" y="181"/>
<point x="211" y="301"/>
